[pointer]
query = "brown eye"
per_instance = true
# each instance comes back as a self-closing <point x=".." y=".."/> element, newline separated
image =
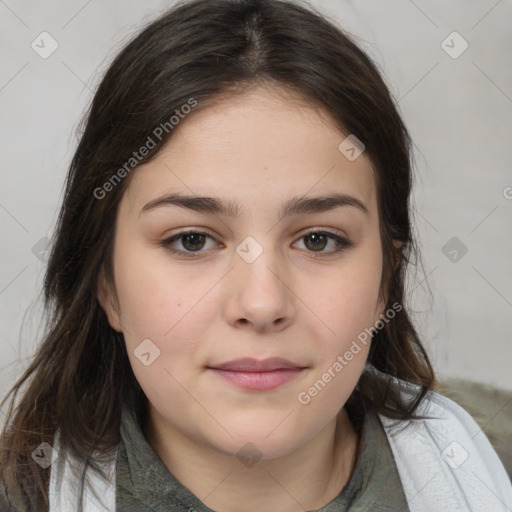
<point x="193" y="241"/>
<point x="317" y="241"/>
<point x="189" y="244"/>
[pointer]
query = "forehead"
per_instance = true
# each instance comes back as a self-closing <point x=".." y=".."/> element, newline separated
<point x="257" y="148"/>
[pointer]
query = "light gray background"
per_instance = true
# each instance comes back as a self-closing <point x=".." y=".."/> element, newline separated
<point x="458" y="110"/>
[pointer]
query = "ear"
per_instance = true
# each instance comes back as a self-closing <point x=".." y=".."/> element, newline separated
<point x="108" y="302"/>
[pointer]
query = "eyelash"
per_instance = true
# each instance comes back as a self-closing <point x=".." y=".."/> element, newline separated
<point x="342" y="243"/>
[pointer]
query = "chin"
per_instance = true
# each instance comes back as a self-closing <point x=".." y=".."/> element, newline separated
<point x="254" y="449"/>
<point x="261" y="441"/>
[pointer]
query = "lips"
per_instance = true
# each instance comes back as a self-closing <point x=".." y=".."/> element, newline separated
<point x="254" y="365"/>
<point x="255" y="375"/>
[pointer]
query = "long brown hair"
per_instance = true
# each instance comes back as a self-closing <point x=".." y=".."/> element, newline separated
<point x="200" y="49"/>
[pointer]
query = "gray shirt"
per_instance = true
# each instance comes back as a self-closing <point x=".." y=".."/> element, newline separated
<point x="144" y="484"/>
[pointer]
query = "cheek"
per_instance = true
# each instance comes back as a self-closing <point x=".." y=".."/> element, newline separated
<point x="164" y="304"/>
<point x="147" y="286"/>
<point x="346" y="307"/>
<point x="348" y="303"/>
<point x="149" y="302"/>
<point x="157" y="305"/>
<point x="342" y="352"/>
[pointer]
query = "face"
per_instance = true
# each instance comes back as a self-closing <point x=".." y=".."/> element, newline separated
<point x="256" y="279"/>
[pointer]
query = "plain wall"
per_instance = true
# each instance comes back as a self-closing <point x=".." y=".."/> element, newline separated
<point x="458" y="110"/>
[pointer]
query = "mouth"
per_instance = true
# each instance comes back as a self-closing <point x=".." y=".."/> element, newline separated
<point x="256" y="375"/>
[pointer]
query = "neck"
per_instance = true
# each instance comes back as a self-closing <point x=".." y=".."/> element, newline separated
<point x="306" y="479"/>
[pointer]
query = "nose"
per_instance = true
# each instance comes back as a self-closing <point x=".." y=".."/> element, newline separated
<point x="259" y="297"/>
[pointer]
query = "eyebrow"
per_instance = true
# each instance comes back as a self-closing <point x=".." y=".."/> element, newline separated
<point x="296" y="205"/>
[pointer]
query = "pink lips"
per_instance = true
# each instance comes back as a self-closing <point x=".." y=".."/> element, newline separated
<point x="258" y="375"/>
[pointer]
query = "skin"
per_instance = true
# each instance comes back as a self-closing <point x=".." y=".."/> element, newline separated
<point x="259" y="149"/>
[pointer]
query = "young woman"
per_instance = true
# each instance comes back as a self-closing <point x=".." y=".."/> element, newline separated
<point x="227" y="321"/>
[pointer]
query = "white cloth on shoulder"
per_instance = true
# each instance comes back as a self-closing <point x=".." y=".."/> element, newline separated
<point x="447" y="462"/>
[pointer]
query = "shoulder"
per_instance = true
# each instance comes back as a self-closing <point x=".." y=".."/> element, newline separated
<point x="66" y="482"/>
<point x="445" y="460"/>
